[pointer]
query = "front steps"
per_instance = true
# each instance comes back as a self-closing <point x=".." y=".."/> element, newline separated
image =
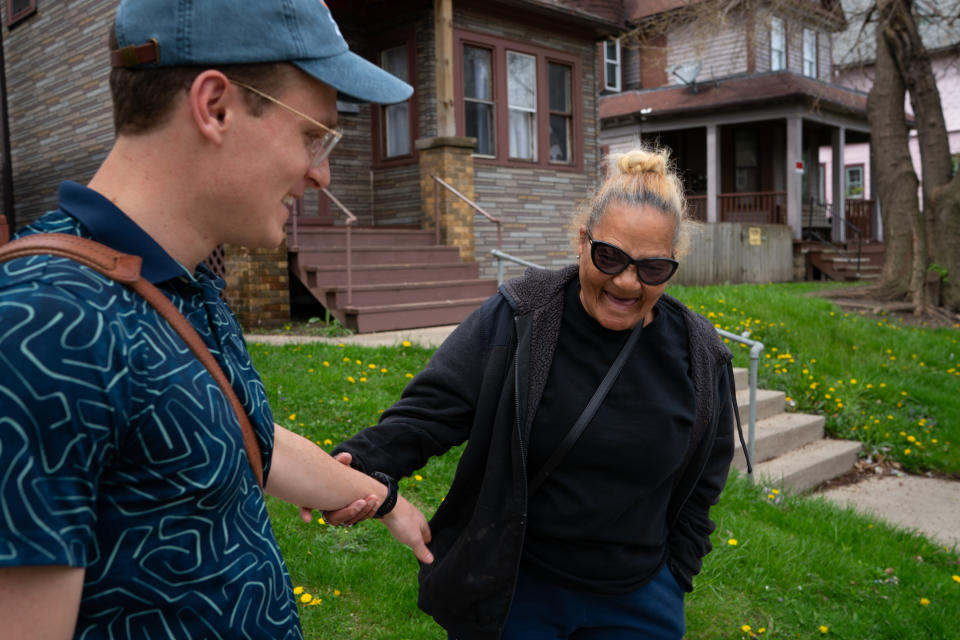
<point x="789" y="448"/>
<point x="400" y="278"/>
<point x="842" y="261"/>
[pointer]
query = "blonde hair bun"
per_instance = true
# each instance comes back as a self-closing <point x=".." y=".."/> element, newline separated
<point x="642" y="161"/>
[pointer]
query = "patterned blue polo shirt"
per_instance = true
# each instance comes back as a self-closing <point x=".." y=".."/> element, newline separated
<point x="120" y="454"/>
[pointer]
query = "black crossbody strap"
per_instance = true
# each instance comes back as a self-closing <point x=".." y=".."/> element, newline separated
<point x="588" y="412"/>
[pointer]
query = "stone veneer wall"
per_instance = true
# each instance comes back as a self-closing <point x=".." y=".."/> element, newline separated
<point x="535" y="205"/>
<point x="60" y="113"/>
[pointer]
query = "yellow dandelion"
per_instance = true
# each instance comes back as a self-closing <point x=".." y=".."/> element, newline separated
<point x="363" y="379"/>
<point x="359" y="361"/>
<point x="384" y="370"/>
<point x="305" y="598"/>
<point x="418" y="478"/>
<point x="351" y="380"/>
<point x="853" y="381"/>
<point x="320" y="520"/>
<point x="406" y="343"/>
<point x="732" y="542"/>
<point x="328" y="441"/>
<point x="911" y="439"/>
<point x="762" y="630"/>
<point x="906" y="452"/>
<point x="315" y="602"/>
<point x="336" y="592"/>
<point x="824" y="628"/>
<point x="346" y="359"/>
<point x="409" y="375"/>
<point x="925" y="602"/>
<point x="745" y="628"/>
<point x="371" y="366"/>
<point x="297" y="590"/>
<point x="956" y="579"/>
<point x="292" y="416"/>
<point x="326" y="363"/>
<point x="346" y="399"/>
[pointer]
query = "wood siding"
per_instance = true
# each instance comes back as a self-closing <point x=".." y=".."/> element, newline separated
<point x="722" y="252"/>
<point x="721" y="47"/>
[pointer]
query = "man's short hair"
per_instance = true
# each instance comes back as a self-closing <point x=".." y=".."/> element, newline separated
<point x="143" y="99"/>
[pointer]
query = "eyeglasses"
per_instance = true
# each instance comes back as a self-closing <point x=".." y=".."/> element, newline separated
<point x="320" y="146"/>
<point x="611" y="260"/>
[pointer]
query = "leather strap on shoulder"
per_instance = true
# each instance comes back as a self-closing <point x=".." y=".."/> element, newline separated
<point x="125" y="268"/>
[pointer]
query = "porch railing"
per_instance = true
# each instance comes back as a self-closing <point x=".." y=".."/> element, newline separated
<point x="349" y="249"/>
<point x="860" y="215"/>
<point x="439" y="182"/>
<point x="762" y="207"/>
<point x="697" y="208"/>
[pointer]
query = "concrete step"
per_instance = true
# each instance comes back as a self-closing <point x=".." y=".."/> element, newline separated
<point x="407" y="316"/>
<point x="434" y="291"/>
<point x="308" y="236"/>
<point x="807" y="467"/>
<point x="769" y="403"/>
<point x="741" y="377"/>
<point x="779" y="435"/>
<point x="326" y="277"/>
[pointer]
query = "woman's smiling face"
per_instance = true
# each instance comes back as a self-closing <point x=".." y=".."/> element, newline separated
<point x="619" y="302"/>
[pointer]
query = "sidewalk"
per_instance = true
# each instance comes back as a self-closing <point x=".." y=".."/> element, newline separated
<point x="929" y="506"/>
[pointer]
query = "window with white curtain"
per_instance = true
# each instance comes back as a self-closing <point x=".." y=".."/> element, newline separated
<point x="611" y="65"/>
<point x="522" y="105"/>
<point x="810" y="53"/>
<point x="778" y="44"/>
<point x="561" y="112"/>
<point x="478" y="98"/>
<point x="396" y="117"/>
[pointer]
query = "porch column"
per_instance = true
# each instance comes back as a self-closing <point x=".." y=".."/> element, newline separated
<point x="838" y="140"/>
<point x="875" y="197"/>
<point x="451" y="159"/>
<point x="713" y="172"/>
<point x="794" y="179"/>
<point x="443" y="53"/>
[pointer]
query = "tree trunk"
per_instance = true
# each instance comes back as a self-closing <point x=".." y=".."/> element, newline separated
<point x="936" y="230"/>
<point x="896" y="180"/>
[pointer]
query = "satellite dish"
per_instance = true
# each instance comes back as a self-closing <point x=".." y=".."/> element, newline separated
<point x="687" y="72"/>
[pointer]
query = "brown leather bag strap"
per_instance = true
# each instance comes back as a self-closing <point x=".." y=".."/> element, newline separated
<point x="125" y="268"/>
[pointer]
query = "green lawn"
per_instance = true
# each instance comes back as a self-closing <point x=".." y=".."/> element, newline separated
<point x="798" y="564"/>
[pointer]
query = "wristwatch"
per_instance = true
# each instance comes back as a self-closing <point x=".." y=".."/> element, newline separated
<point x="391" y="500"/>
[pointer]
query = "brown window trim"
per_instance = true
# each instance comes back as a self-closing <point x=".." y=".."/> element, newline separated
<point x="14" y="18"/>
<point x="499" y="47"/>
<point x="391" y="41"/>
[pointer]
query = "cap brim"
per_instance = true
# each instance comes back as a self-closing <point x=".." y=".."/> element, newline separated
<point x="357" y="78"/>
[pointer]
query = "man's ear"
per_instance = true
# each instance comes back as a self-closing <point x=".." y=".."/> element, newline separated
<point x="210" y="104"/>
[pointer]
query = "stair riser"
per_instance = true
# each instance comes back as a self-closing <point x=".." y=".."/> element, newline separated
<point x="767" y="404"/>
<point x="406" y="319"/>
<point x="380" y="255"/>
<point x="328" y="279"/>
<point x="337" y="239"/>
<point x="338" y="298"/>
<point x="771" y="443"/>
<point x="811" y="476"/>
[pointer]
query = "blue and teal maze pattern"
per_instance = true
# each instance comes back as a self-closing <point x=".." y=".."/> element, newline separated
<point x="120" y="454"/>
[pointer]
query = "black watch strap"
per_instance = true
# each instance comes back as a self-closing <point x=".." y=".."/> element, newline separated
<point x="391" y="500"/>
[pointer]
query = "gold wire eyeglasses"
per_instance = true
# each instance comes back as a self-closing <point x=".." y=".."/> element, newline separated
<point x="319" y="146"/>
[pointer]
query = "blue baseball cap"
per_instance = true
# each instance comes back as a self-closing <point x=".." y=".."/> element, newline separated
<point x="167" y="33"/>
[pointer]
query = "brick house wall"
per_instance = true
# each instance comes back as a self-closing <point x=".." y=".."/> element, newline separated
<point x="535" y="205"/>
<point x="60" y="116"/>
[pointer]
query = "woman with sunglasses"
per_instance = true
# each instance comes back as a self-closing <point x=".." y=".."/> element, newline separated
<point x="590" y="532"/>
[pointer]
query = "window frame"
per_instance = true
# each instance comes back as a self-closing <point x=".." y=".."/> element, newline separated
<point x="846" y="181"/>
<point x="544" y="56"/>
<point x="378" y="130"/>
<point x="23" y="14"/>
<point x="813" y="60"/>
<point x="617" y="85"/>
<point x="783" y="43"/>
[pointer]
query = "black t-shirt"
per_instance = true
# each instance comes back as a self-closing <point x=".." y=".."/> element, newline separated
<point x="599" y="520"/>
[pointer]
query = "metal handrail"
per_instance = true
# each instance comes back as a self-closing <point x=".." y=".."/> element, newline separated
<point x="350" y="220"/>
<point x="438" y="181"/>
<point x="755" y="348"/>
<point x="859" y="243"/>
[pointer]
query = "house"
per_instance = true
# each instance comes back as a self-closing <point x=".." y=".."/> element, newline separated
<point x="504" y="113"/>
<point x="743" y="95"/>
<point x="853" y="62"/>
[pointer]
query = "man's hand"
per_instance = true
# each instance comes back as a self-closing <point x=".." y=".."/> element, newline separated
<point x="408" y="526"/>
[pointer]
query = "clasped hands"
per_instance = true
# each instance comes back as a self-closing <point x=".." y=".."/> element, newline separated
<point x="405" y="522"/>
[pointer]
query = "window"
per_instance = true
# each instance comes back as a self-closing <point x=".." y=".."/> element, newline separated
<point x="17" y="10"/>
<point x="778" y="44"/>
<point x="855" y="181"/>
<point x="522" y="97"/>
<point x="611" y="65"/>
<point x="519" y="101"/>
<point x="478" y="98"/>
<point x="561" y="113"/>
<point x="810" y="53"/>
<point x="396" y="117"/>
<point x="394" y="126"/>
<point x="746" y="161"/>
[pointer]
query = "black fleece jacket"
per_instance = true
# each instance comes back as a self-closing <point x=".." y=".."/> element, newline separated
<point x="483" y="386"/>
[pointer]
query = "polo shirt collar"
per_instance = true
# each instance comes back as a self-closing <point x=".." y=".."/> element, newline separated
<point x="111" y="226"/>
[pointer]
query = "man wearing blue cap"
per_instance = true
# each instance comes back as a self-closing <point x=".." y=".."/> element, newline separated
<point x="129" y="507"/>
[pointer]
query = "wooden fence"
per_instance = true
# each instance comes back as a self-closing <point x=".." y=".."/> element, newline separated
<point x="736" y="252"/>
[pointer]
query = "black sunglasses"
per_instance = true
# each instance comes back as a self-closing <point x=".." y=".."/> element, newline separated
<point x="611" y="260"/>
